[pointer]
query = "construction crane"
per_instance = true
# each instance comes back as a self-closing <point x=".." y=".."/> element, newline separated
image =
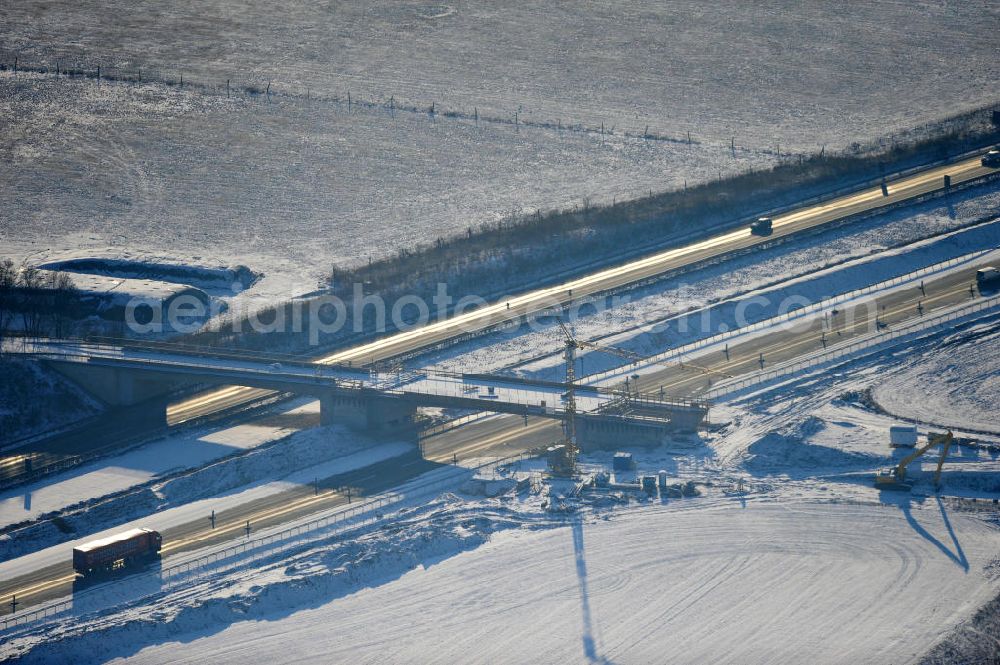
<point x="564" y="463"/>
<point x="894" y="478"/>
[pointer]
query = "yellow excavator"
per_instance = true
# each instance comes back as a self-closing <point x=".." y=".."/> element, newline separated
<point x="894" y="478"/>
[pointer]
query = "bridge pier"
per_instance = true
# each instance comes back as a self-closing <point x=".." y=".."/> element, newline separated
<point x="370" y="413"/>
<point x="611" y="432"/>
<point x="687" y="418"/>
<point x="650" y="426"/>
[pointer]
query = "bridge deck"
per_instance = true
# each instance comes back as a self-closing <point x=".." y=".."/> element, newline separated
<point x="423" y="388"/>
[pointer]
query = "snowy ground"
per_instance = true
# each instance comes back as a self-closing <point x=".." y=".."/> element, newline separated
<point x="806" y="562"/>
<point x="292" y="183"/>
<point x="810" y="563"/>
<point x="290" y="187"/>
<point x="184" y="509"/>
<point x="200" y="447"/>
<point x="678" y="583"/>
<point x="800" y="73"/>
<point x="948" y="389"/>
<point x="34" y="400"/>
<point x="857" y="263"/>
<point x="159" y="458"/>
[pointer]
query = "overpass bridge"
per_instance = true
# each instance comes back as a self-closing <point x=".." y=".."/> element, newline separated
<point x="366" y="399"/>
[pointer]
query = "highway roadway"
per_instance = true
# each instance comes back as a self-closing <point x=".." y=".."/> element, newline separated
<point x="516" y="307"/>
<point x="775" y="347"/>
<point x="503" y="435"/>
<point x="491" y="438"/>
<point x="228" y="399"/>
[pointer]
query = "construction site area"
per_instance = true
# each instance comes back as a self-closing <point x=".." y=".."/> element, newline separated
<point x="422" y="332"/>
<point x="827" y="457"/>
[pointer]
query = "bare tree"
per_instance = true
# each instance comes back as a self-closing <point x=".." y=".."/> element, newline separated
<point x="58" y="303"/>
<point x="8" y="282"/>
<point x="30" y="283"/>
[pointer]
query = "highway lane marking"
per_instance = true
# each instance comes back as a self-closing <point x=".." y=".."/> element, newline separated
<point x="512" y="433"/>
<point x="308" y="501"/>
<point x="478" y="445"/>
<point x="257" y="516"/>
<point x="785" y="345"/>
<point x="899" y="186"/>
<point x="488" y="314"/>
<point x="853" y="331"/>
<point x="203" y="536"/>
<point x="792" y="344"/>
<point x="40" y="587"/>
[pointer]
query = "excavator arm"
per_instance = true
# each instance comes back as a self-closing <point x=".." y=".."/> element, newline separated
<point x="896" y="477"/>
<point x="944" y="453"/>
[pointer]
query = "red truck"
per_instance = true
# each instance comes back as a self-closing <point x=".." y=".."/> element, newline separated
<point x="116" y="552"/>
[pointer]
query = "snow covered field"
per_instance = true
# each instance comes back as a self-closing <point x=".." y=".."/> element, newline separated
<point x="860" y="257"/>
<point x="948" y="389"/>
<point x="678" y="583"/>
<point x="289" y="187"/>
<point x="800" y="73"/>
<point x="787" y="554"/>
<point x="806" y="562"/>
<point x="292" y="183"/>
<point x="142" y="466"/>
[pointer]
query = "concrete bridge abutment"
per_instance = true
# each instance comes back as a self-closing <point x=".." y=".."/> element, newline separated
<point x="368" y="413"/>
<point x="138" y="396"/>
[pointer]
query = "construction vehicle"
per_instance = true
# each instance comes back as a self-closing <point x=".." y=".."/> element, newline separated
<point x="894" y="478"/>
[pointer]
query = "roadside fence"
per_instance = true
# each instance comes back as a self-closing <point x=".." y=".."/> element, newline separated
<point x="339" y="522"/>
<point x="841" y="351"/>
<point x="801" y="312"/>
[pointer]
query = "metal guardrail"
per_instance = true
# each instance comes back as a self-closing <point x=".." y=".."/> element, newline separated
<point x="675" y="354"/>
<point x="849" y="348"/>
<point x="453" y="423"/>
<point x="396" y="381"/>
<point x="721" y="226"/>
<point x="344" y="520"/>
<point x="523" y="395"/>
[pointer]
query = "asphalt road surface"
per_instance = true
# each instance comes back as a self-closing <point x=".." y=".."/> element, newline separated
<point x="488" y="439"/>
<point x="124" y="429"/>
<point x="506" y="435"/>
<point x="516" y="307"/>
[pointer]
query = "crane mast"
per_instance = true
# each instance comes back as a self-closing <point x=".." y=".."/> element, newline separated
<point x="565" y="463"/>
